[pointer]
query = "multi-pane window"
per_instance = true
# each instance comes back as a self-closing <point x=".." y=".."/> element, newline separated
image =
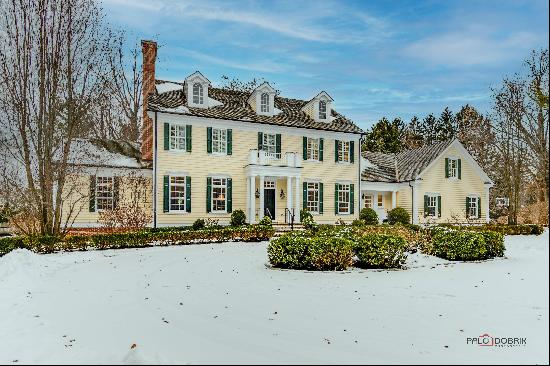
<point x="177" y="137"/>
<point x="219" y="194"/>
<point x="219" y="141"/>
<point x="380" y="201"/>
<point x="198" y="94"/>
<point x="104" y="193"/>
<point x="313" y="197"/>
<point x="432" y="206"/>
<point x="264" y="103"/>
<point x="343" y="198"/>
<point x="177" y="193"/>
<point x="312" y="149"/>
<point x="344" y="151"/>
<point x="368" y="200"/>
<point x="453" y="168"/>
<point x="270" y="144"/>
<point x="322" y="110"/>
<point x="472" y="207"/>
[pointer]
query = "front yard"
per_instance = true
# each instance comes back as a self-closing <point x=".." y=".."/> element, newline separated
<point x="220" y="304"/>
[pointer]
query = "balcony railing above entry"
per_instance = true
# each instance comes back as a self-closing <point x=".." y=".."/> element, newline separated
<point x="261" y="157"/>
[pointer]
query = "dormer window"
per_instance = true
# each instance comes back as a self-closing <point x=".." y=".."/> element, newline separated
<point x="264" y="103"/>
<point x="322" y="109"/>
<point x="198" y="94"/>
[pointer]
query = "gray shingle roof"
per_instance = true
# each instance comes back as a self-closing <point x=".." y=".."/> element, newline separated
<point x="106" y="153"/>
<point x="236" y="107"/>
<point x="401" y="167"/>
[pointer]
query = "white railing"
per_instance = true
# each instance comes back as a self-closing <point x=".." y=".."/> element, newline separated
<point x="261" y="157"/>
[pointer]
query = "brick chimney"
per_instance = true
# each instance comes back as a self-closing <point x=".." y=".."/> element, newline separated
<point x="149" y="51"/>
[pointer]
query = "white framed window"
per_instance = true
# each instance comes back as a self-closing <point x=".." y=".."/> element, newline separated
<point x="219" y="141"/>
<point x="177" y="137"/>
<point x="312" y="149"/>
<point x="453" y="167"/>
<point x="432" y="206"/>
<point x="380" y="201"/>
<point x="313" y="197"/>
<point x="177" y="193"/>
<point x="502" y="201"/>
<point x="219" y="194"/>
<point x="269" y="184"/>
<point x="472" y="207"/>
<point x="104" y="193"/>
<point x="264" y="103"/>
<point x="368" y="199"/>
<point x="198" y="97"/>
<point x="343" y="198"/>
<point x="270" y="144"/>
<point x="322" y="109"/>
<point x="344" y="151"/>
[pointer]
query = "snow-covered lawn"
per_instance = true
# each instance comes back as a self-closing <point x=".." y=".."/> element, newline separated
<point x="220" y="304"/>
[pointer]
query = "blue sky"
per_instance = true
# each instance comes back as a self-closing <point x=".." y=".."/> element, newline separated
<point x="375" y="58"/>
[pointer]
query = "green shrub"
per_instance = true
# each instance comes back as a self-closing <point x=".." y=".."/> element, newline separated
<point x="536" y="229"/>
<point x="10" y="243"/>
<point x="198" y="224"/>
<point x="309" y="223"/>
<point x="357" y="223"/>
<point x="42" y="243"/>
<point x="467" y="245"/>
<point x="506" y="229"/>
<point x="266" y="221"/>
<point x="368" y="216"/>
<point x="299" y="251"/>
<point x="381" y="251"/>
<point x="398" y="215"/>
<point x="238" y="218"/>
<point x="305" y="214"/>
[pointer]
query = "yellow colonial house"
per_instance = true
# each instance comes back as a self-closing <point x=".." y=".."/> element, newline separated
<point x="439" y="183"/>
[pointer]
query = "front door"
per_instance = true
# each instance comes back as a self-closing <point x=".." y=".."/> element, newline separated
<point x="269" y="202"/>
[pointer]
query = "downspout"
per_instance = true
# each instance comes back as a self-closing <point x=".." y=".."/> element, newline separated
<point x="360" y="190"/>
<point x="155" y="172"/>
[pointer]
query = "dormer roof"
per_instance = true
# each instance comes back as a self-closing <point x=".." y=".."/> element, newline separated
<point x="198" y="75"/>
<point x="262" y="88"/>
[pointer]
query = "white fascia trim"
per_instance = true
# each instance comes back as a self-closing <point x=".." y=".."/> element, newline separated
<point x="255" y="127"/>
<point x="111" y="171"/>
<point x="272" y="171"/>
<point x="382" y="186"/>
<point x="466" y="155"/>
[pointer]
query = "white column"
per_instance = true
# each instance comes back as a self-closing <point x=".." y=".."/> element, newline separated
<point x="289" y="193"/>
<point x="247" y="211"/>
<point x="487" y="202"/>
<point x="297" y="198"/>
<point x="414" y="203"/>
<point x="393" y="199"/>
<point x="252" y="199"/>
<point x="262" y="210"/>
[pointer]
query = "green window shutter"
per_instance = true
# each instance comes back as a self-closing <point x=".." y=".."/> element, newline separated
<point x="336" y="148"/>
<point x="208" y="194"/>
<point x="438" y="206"/>
<point x="351" y="199"/>
<point x="304" y="195"/>
<point x="166" y="136"/>
<point x="320" y="198"/>
<point x="459" y="168"/>
<point x="260" y="141"/>
<point x="336" y="189"/>
<point x="321" y="143"/>
<point x="446" y="167"/>
<point x="304" y="148"/>
<point x="188" y="194"/>
<point x="92" y="193"/>
<point x="278" y="143"/>
<point x="467" y="206"/>
<point x="426" y="202"/>
<point x="166" y="194"/>
<point x="229" y="142"/>
<point x="479" y="207"/>
<point x="188" y="135"/>
<point x="209" y="140"/>
<point x="352" y="151"/>
<point x="229" y="195"/>
<point x="116" y="190"/>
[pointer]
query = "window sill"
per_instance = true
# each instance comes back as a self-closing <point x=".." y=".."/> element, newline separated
<point x="343" y="163"/>
<point x="313" y="161"/>
<point x="177" y="151"/>
<point x="218" y="154"/>
<point x="218" y="212"/>
<point x="176" y="212"/>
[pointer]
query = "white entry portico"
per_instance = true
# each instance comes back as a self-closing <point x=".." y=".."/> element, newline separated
<point x="379" y="196"/>
<point x="263" y="167"/>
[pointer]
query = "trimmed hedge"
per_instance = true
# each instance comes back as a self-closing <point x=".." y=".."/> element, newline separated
<point x="505" y="229"/>
<point x="467" y="245"/>
<point x="381" y="251"/>
<point x="398" y="215"/>
<point x="137" y="239"/>
<point x="238" y="218"/>
<point x="368" y="216"/>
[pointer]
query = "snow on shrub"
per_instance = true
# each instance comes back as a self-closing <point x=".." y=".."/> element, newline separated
<point x="381" y="251"/>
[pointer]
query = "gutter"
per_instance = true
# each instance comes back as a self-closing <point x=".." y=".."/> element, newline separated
<point x="155" y="172"/>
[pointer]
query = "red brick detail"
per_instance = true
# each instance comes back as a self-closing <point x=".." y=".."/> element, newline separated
<point x="149" y="51"/>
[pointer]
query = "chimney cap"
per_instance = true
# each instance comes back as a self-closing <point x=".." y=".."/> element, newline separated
<point x="148" y="42"/>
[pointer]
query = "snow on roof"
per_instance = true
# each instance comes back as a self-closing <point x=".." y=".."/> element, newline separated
<point x="108" y="153"/>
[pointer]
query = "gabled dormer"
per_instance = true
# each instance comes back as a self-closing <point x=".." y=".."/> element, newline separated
<point x="196" y="90"/>
<point x="320" y="107"/>
<point x="262" y="100"/>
